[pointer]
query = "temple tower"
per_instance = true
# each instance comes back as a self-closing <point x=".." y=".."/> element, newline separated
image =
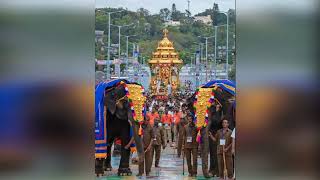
<point x="165" y="66"/>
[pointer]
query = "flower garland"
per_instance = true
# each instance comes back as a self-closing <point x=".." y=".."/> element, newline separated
<point x="136" y="99"/>
<point x="204" y="97"/>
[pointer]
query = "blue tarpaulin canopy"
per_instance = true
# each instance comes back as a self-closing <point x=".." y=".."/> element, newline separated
<point x="225" y="84"/>
<point x="100" y="88"/>
<point x="100" y="122"/>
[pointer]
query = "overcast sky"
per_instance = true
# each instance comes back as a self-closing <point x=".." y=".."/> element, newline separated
<point x="154" y="6"/>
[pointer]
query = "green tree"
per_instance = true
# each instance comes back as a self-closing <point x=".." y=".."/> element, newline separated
<point x="143" y="12"/>
<point x="149" y="28"/>
<point x="175" y="14"/>
<point x="173" y="11"/>
<point x="164" y="14"/>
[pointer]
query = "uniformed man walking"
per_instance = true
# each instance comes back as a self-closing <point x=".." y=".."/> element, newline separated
<point x="152" y="115"/>
<point x="224" y="148"/>
<point x="166" y="120"/>
<point x="147" y="144"/>
<point x="176" y="120"/>
<point x="180" y="129"/>
<point x="190" y="146"/>
<point x="158" y="140"/>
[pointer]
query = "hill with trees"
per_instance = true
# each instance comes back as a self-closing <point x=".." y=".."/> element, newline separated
<point x="148" y="28"/>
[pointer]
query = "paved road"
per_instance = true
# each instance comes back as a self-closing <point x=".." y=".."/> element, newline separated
<point x="170" y="168"/>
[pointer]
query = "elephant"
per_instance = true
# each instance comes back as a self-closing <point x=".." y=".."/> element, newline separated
<point x="226" y="100"/>
<point x="118" y="114"/>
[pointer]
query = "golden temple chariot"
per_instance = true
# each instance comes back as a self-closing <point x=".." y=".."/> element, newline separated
<point x="165" y="66"/>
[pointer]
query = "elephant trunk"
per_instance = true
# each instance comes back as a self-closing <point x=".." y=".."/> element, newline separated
<point x="138" y="141"/>
<point x="204" y="150"/>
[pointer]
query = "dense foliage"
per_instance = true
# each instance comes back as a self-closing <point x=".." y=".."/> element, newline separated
<point x="148" y="28"/>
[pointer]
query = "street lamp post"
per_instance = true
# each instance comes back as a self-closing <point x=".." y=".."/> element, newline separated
<point x="215" y="49"/>
<point x="201" y="53"/>
<point x="215" y="52"/>
<point x="206" y="59"/>
<point x="108" y="58"/>
<point x="227" y="65"/>
<point x="119" y="43"/>
<point x="207" y="55"/>
<point x="119" y="38"/>
<point x="133" y="49"/>
<point x="109" y="41"/>
<point x="127" y="54"/>
<point x="227" y="61"/>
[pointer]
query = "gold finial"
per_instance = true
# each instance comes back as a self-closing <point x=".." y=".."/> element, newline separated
<point x="165" y="32"/>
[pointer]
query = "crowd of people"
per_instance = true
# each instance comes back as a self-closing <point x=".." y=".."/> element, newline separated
<point x="169" y="122"/>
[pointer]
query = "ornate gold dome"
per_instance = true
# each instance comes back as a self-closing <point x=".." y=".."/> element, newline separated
<point x="165" y="52"/>
<point x="165" y="43"/>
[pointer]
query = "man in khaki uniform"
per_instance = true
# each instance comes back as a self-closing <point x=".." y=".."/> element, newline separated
<point x="224" y="141"/>
<point x="166" y="120"/>
<point x="147" y="144"/>
<point x="158" y="140"/>
<point x="190" y="146"/>
<point x="180" y="129"/>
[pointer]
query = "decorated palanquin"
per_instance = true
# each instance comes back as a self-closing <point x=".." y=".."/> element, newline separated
<point x="165" y="66"/>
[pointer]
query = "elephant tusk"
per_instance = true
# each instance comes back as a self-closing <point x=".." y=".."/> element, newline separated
<point x="118" y="101"/>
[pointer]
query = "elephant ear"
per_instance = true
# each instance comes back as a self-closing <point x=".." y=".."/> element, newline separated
<point x="112" y="96"/>
<point x="212" y="111"/>
<point x="218" y="94"/>
<point x="110" y="101"/>
<point x="189" y="103"/>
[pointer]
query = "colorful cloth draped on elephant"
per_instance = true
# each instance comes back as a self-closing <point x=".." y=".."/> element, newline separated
<point x="116" y="103"/>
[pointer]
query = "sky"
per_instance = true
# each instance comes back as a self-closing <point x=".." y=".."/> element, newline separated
<point x="154" y="6"/>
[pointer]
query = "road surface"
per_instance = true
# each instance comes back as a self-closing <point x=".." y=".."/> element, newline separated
<point x="170" y="168"/>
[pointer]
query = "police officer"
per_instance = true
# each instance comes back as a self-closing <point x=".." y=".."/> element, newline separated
<point x="190" y="146"/>
<point x="166" y="120"/>
<point x="158" y="140"/>
<point x="147" y="144"/>
<point x="180" y="129"/>
<point x="224" y="148"/>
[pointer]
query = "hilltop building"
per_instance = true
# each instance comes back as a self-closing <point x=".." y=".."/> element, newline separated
<point x="172" y="23"/>
<point x="99" y="36"/>
<point x="204" y="19"/>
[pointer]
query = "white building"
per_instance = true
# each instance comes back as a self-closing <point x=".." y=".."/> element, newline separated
<point x="99" y="36"/>
<point x="204" y="19"/>
<point x="172" y="23"/>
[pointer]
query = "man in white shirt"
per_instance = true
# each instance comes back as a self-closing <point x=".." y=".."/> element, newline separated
<point x="169" y="89"/>
<point x="170" y="103"/>
<point x="154" y="102"/>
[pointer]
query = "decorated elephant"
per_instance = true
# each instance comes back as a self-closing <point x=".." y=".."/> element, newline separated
<point x="122" y="105"/>
<point x="203" y="105"/>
